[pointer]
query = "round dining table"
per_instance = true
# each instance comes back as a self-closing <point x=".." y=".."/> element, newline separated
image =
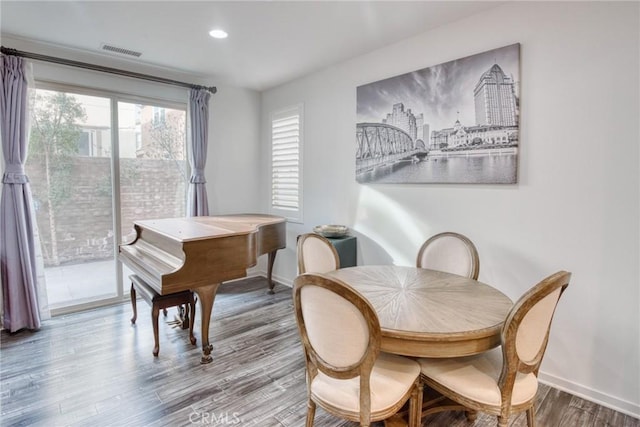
<point x="428" y="313"/>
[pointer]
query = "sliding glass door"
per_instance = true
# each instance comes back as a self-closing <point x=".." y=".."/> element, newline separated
<point x="153" y="166"/>
<point x="77" y="199"/>
<point x="69" y="167"/>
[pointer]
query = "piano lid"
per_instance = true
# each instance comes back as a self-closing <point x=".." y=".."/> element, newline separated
<point x="207" y="227"/>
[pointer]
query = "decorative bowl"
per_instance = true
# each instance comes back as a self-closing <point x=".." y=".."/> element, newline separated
<point x="331" y="230"/>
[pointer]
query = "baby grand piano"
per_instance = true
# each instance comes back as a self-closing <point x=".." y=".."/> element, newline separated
<point x="199" y="253"/>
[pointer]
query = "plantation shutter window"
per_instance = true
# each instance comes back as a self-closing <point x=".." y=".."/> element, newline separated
<point x="286" y="155"/>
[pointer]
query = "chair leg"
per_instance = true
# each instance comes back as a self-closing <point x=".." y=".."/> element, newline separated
<point x="503" y="421"/>
<point x="415" y="405"/>
<point x="531" y="417"/>
<point x="155" y="311"/>
<point x="311" y="412"/>
<point x="471" y="415"/>
<point x="133" y="304"/>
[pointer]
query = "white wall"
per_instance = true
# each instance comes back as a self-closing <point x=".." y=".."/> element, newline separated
<point x="576" y="206"/>
<point x="233" y="156"/>
<point x="45" y="71"/>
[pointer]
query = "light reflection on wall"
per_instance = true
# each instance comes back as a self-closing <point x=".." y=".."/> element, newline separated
<point x="389" y="225"/>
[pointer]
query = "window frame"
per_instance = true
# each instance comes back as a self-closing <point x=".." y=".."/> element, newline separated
<point x="291" y="215"/>
<point x="115" y="97"/>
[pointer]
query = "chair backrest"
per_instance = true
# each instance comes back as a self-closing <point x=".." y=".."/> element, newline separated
<point x="450" y="252"/>
<point x="525" y="332"/>
<point x="339" y="329"/>
<point x="316" y="254"/>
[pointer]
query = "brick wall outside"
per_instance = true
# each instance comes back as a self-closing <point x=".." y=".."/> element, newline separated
<point x="150" y="188"/>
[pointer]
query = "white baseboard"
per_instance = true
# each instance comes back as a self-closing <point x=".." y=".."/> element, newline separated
<point x="587" y="393"/>
<point x="275" y="278"/>
<point x="282" y="280"/>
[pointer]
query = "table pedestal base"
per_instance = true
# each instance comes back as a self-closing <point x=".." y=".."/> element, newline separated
<point x="398" y="420"/>
<point x="432" y="403"/>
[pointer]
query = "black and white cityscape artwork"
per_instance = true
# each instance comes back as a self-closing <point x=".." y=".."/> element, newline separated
<point x="455" y="122"/>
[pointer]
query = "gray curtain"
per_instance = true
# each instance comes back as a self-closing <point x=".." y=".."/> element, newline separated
<point x="17" y="220"/>
<point x="197" y="203"/>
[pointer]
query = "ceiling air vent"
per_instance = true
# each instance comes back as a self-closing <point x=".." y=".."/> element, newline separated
<point x="121" y="50"/>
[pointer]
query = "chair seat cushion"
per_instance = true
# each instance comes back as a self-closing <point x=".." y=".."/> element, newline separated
<point x="476" y="378"/>
<point x="391" y="378"/>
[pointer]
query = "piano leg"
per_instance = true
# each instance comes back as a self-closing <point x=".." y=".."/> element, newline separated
<point x="272" y="260"/>
<point x="206" y="295"/>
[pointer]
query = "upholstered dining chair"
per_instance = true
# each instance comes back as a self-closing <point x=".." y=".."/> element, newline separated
<point x="504" y="380"/>
<point x="316" y="254"/>
<point x="347" y="375"/>
<point x="450" y="252"/>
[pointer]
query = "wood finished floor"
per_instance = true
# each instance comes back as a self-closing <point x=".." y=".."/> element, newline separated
<point x="96" y="369"/>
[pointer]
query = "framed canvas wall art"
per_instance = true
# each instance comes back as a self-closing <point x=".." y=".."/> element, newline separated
<point x="456" y="122"/>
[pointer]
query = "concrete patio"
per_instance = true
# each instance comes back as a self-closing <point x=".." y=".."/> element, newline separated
<point x="74" y="284"/>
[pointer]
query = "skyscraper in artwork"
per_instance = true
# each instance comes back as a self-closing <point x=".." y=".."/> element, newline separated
<point x="403" y="119"/>
<point x="495" y="99"/>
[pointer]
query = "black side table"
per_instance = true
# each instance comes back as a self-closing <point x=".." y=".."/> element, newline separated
<point x="347" y="250"/>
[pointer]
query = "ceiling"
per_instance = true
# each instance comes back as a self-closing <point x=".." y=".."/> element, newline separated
<point x="269" y="43"/>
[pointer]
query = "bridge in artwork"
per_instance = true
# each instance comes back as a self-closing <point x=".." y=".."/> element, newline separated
<point x="380" y="144"/>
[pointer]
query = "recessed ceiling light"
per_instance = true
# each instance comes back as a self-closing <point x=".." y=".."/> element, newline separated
<point x="218" y="34"/>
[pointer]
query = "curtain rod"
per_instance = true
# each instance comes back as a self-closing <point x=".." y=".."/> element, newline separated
<point x="39" y="57"/>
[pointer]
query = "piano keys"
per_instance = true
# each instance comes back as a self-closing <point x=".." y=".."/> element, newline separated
<point x="199" y="253"/>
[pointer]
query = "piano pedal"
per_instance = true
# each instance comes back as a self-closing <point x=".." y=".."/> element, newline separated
<point x="184" y="316"/>
<point x="176" y="323"/>
<point x="181" y="319"/>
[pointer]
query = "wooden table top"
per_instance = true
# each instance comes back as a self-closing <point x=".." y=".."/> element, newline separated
<point x="430" y="313"/>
